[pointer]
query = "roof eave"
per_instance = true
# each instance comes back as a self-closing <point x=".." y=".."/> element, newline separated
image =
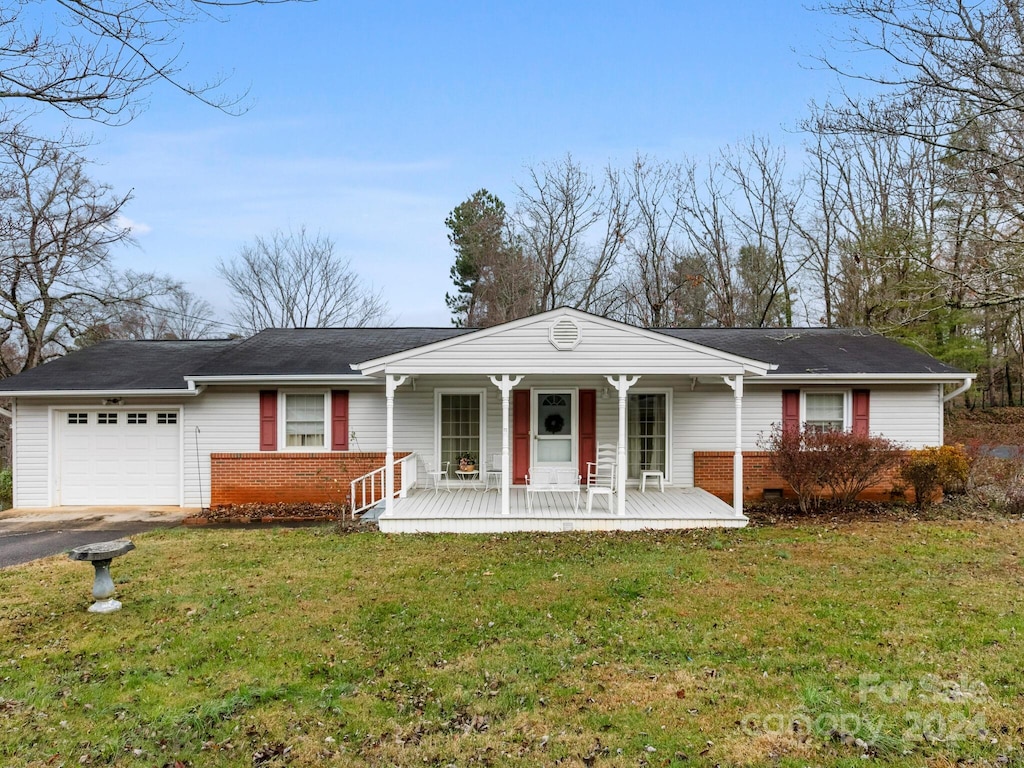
<point x="890" y="378"/>
<point x="288" y="378"/>
<point x="180" y="392"/>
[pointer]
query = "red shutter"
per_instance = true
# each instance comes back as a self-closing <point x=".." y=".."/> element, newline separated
<point x="339" y="420"/>
<point x="520" y="435"/>
<point x="790" y="411"/>
<point x="588" y="429"/>
<point x="268" y="420"/>
<point x="861" y="412"/>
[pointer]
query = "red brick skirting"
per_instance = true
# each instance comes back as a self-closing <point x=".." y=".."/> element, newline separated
<point x="712" y="471"/>
<point x="267" y="477"/>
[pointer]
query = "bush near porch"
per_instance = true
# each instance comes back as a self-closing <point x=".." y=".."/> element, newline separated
<point x="794" y="645"/>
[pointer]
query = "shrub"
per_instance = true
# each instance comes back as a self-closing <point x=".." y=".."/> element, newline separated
<point x="856" y="462"/>
<point x="6" y="487"/>
<point x="813" y="460"/>
<point x="947" y="467"/>
<point x="804" y="470"/>
<point x="996" y="479"/>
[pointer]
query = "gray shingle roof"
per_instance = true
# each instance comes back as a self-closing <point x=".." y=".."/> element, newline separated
<point x="816" y="350"/>
<point x="313" y="351"/>
<point x="129" y="365"/>
<point x="115" y="366"/>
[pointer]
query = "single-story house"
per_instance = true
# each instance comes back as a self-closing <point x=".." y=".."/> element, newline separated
<point x="345" y="414"/>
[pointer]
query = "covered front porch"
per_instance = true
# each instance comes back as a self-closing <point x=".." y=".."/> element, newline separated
<point x="472" y="510"/>
<point x="562" y="385"/>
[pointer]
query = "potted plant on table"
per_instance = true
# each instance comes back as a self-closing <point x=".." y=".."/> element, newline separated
<point x="467" y="463"/>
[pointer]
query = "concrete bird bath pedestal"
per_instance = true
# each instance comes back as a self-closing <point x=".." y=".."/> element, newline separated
<point x="100" y="554"/>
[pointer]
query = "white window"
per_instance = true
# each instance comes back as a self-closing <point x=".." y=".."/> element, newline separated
<point x="136" y="418"/>
<point x="106" y="418"/>
<point x="304" y="420"/>
<point x="825" y="411"/>
<point x="460" y="428"/>
<point x="167" y="418"/>
<point x="647" y="432"/>
<point x="78" y="418"/>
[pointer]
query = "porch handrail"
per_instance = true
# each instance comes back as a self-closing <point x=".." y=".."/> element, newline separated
<point x="374" y="480"/>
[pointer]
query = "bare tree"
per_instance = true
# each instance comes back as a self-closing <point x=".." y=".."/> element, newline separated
<point x="559" y="209"/>
<point x="179" y="314"/>
<point x="656" y="190"/>
<point x="57" y="227"/>
<point x="952" y="80"/>
<point x="763" y="210"/>
<point x="95" y="59"/>
<point x="295" y="280"/>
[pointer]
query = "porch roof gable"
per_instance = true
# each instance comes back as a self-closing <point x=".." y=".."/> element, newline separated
<point x="564" y="341"/>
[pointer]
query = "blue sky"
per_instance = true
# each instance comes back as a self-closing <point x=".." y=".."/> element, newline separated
<point x="371" y="121"/>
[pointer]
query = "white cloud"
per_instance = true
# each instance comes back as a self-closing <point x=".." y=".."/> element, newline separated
<point x="138" y="228"/>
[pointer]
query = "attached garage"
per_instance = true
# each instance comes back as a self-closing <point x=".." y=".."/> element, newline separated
<point x="118" y="456"/>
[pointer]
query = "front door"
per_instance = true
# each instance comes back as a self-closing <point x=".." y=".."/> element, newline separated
<point x="554" y="429"/>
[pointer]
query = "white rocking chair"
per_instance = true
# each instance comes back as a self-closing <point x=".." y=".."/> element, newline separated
<point x="601" y="476"/>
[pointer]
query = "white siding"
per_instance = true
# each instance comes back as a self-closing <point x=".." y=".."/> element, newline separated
<point x="216" y="421"/>
<point x="702" y="420"/>
<point x="526" y="349"/>
<point x="909" y="415"/>
<point x="32" y="441"/>
<point x="366" y="419"/>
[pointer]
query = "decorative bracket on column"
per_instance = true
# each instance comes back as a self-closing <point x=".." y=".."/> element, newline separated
<point x="505" y="382"/>
<point x="622" y="383"/>
<point x="393" y="382"/>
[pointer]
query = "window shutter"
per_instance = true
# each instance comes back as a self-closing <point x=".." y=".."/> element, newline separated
<point x="588" y="428"/>
<point x="520" y="435"/>
<point x="790" y="411"/>
<point x="268" y="420"/>
<point x="861" y="412"/>
<point x="339" y="420"/>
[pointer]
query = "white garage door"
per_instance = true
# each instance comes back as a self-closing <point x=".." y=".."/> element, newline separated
<point x="119" y="457"/>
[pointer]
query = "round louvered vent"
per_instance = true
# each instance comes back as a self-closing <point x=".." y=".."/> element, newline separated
<point x="564" y="334"/>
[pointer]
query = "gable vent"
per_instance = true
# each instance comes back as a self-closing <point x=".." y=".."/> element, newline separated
<point x="564" y="334"/>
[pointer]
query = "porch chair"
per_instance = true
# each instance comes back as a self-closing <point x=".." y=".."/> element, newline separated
<point x="493" y="473"/>
<point x="601" y="476"/>
<point x="437" y="475"/>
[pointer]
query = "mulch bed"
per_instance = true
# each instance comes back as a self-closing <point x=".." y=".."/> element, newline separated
<point x="277" y="513"/>
<point x="761" y="514"/>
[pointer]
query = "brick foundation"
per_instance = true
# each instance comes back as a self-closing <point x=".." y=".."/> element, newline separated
<point x="266" y="477"/>
<point x="712" y="471"/>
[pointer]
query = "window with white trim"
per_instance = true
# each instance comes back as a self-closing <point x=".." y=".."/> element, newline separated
<point x="137" y="418"/>
<point x="459" y="427"/>
<point x="647" y="432"/>
<point x="825" y="411"/>
<point x="167" y="418"/>
<point x="78" y="418"/>
<point x="304" y="420"/>
<point x="106" y="418"/>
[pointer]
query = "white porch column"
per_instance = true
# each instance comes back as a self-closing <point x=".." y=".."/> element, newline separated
<point x="736" y="384"/>
<point x="622" y="384"/>
<point x="505" y="383"/>
<point x="391" y="384"/>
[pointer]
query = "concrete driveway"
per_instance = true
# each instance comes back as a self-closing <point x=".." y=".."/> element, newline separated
<point x="29" y="534"/>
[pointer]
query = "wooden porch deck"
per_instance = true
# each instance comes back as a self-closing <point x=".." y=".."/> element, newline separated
<point x="473" y="510"/>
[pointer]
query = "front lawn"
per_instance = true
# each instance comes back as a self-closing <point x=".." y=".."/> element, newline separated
<point x="884" y="643"/>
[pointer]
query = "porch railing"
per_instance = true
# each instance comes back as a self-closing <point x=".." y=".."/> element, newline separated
<point x="368" y="491"/>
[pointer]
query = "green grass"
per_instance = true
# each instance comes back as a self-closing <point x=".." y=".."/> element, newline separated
<point x="783" y="646"/>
